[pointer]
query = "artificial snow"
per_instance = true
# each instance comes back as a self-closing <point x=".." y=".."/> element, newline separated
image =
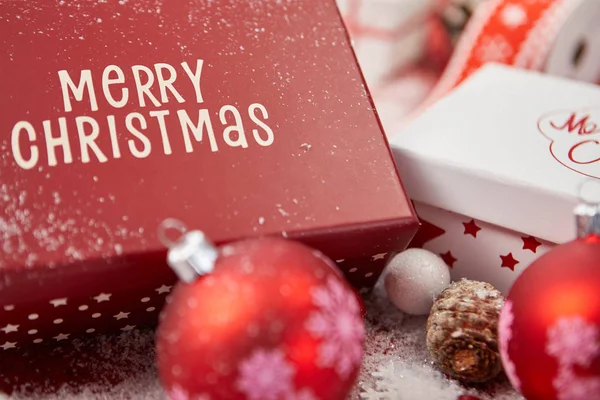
<point x="396" y="366"/>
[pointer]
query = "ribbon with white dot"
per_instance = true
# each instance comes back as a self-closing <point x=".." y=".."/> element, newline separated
<point x="524" y="34"/>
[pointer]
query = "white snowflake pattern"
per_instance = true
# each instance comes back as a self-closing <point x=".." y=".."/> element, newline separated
<point x="266" y="375"/>
<point x="505" y="332"/>
<point x="581" y="389"/>
<point x="513" y="15"/>
<point x="573" y="341"/>
<point x="494" y="49"/>
<point x="571" y="387"/>
<point x="339" y="325"/>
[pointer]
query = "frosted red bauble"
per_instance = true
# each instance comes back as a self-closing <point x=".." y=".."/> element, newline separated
<point x="549" y="328"/>
<point x="275" y="320"/>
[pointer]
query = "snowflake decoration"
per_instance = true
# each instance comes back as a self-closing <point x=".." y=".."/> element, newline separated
<point x="573" y="341"/>
<point x="513" y="16"/>
<point x="581" y="389"/>
<point x="339" y="325"/>
<point x="494" y="49"/>
<point x="266" y="375"/>
<point x="571" y="387"/>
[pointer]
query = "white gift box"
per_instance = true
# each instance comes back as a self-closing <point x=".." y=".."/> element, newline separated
<point x="495" y="169"/>
<point x="387" y="35"/>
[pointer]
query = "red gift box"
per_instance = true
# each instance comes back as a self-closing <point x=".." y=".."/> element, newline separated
<point x="241" y="119"/>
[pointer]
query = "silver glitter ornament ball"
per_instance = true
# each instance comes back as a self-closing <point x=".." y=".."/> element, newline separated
<point x="413" y="279"/>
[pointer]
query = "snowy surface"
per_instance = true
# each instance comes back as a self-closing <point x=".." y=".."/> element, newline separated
<point x="396" y="366"/>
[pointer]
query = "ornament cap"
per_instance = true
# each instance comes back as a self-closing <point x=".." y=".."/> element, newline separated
<point x="191" y="255"/>
<point x="587" y="214"/>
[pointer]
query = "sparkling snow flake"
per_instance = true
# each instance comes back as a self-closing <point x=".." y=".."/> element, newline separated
<point x="505" y="329"/>
<point x="266" y="375"/>
<point x="573" y="341"/>
<point x="338" y="324"/>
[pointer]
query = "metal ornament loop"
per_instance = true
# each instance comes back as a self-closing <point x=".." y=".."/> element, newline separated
<point x="587" y="214"/>
<point x="191" y="255"/>
<point x="171" y="224"/>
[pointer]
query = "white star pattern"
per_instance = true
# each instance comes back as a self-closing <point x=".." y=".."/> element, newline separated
<point x="59" y="302"/>
<point x="513" y="16"/>
<point x="9" y="345"/>
<point x="494" y="49"/>
<point x="127" y="328"/>
<point x="61" y="336"/>
<point x="122" y="315"/>
<point x="379" y="256"/>
<point x="163" y="289"/>
<point x="10" y="328"/>
<point x="102" y="297"/>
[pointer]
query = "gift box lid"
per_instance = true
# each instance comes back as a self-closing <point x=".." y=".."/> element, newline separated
<point x="509" y="147"/>
<point x="239" y="118"/>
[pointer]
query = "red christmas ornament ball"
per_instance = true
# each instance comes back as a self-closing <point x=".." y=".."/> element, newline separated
<point x="549" y="328"/>
<point x="274" y="320"/>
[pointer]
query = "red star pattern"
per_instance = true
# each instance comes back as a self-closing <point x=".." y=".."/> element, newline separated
<point x="426" y="233"/>
<point x="530" y="243"/>
<point x="508" y="261"/>
<point x="471" y="228"/>
<point x="448" y="258"/>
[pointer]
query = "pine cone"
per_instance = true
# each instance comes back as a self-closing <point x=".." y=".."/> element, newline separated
<point x="462" y="331"/>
